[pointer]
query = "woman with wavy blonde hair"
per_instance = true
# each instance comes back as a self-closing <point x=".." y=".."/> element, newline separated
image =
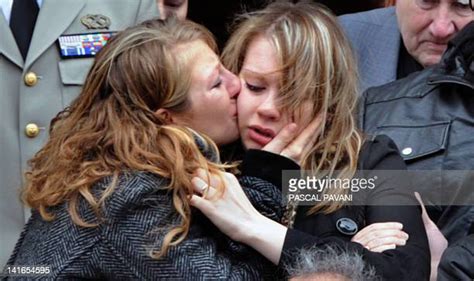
<point x="315" y="73"/>
<point x="297" y="71"/>
<point x="110" y="190"/>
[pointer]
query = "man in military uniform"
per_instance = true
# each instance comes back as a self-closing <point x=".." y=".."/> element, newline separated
<point x="46" y="50"/>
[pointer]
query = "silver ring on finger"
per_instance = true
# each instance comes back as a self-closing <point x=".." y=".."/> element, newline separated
<point x="204" y="188"/>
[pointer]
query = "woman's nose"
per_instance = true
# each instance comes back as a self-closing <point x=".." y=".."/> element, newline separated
<point x="268" y="108"/>
<point x="233" y="85"/>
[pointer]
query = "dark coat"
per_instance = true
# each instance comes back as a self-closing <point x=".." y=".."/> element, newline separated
<point x="430" y="116"/>
<point x="457" y="262"/>
<point x="409" y="262"/>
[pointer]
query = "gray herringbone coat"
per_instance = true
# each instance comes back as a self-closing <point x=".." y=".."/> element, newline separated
<point x="136" y="216"/>
<point x="59" y="82"/>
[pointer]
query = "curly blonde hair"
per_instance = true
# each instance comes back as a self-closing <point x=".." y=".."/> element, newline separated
<point x="112" y="127"/>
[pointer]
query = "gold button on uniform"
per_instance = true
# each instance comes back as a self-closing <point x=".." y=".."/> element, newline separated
<point x="31" y="130"/>
<point x="31" y="79"/>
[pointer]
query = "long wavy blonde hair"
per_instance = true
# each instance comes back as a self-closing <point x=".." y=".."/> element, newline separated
<point x="318" y="68"/>
<point x="112" y="127"/>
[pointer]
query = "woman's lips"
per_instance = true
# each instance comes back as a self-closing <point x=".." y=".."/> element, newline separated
<point x="260" y="135"/>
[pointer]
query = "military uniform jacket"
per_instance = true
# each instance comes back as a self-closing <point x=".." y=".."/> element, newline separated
<point x="58" y="82"/>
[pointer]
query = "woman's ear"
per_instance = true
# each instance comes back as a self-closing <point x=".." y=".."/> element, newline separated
<point x="165" y="115"/>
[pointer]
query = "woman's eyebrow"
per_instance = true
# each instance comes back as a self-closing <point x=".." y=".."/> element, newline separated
<point x="251" y="72"/>
<point x="254" y="74"/>
<point x="264" y="76"/>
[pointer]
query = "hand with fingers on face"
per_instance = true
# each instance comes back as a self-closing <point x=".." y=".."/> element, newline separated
<point x="292" y="145"/>
<point x="379" y="237"/>
<point x="230" y="211"/>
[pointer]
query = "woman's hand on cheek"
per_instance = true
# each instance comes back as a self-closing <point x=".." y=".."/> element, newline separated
<point x="283" y="139"/>
<point x="292" y="145"/>
<point x="231" y="212"/>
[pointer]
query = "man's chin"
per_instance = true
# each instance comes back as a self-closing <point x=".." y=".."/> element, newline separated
<point x="431" y="60"/>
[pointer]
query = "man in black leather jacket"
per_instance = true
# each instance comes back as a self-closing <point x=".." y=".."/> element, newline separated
<point x="430" y="116"/>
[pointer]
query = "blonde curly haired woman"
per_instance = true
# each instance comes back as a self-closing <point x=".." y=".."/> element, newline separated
<point x="110" y="190"/>
<point x="296" y="65"/>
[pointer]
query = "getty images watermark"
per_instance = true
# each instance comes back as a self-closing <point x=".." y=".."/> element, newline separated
<point x="379" y="187"/>
<point x="313" y="189"/>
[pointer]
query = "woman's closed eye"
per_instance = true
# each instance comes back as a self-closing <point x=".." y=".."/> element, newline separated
<point x="217" y="84"/>
<point x="254" y="88"/>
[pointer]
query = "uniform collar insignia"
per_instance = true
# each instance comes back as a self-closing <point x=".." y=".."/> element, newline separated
<point x="96" y="21"/>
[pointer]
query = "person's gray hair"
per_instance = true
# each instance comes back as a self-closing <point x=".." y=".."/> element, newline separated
<point x="329" y="260"/>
